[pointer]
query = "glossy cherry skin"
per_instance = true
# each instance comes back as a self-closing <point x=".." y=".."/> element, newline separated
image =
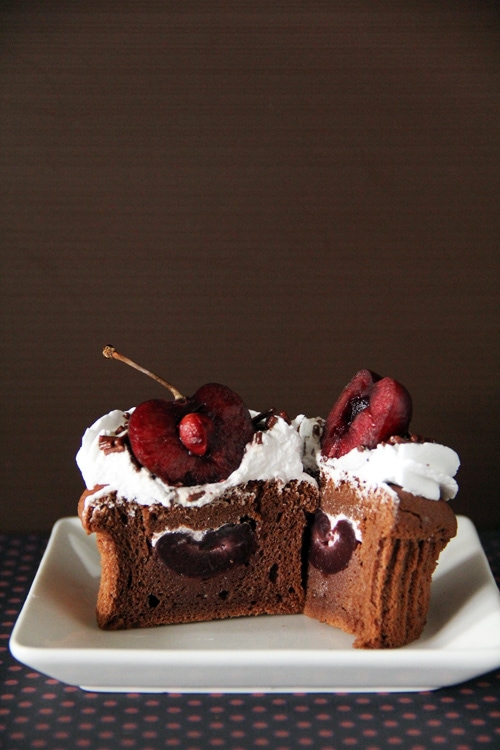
<point x="217" y="552"/>
<point x="156" y="443"/>
<point x="369" y="410"/>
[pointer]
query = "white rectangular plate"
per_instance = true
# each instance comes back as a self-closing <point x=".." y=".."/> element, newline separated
<point x="56" y="634"/>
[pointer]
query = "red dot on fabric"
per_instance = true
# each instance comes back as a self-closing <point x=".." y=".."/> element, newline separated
<point x="218" y="725"/>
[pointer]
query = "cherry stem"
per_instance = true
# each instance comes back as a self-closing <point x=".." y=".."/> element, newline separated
<point x="111" y="353"/>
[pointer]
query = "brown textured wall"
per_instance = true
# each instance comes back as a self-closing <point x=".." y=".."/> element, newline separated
<point x="271" y="195"/>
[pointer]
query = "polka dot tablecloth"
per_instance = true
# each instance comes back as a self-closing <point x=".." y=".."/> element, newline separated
<point x="39" y="712"/>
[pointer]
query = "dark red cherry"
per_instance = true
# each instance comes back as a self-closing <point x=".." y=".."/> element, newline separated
<point x="163" y="436"/>
<point x="331" y="549"/>
<point x="188" y="441"/>
<point x="369" y="410"/>
<point x="218" y="551"/>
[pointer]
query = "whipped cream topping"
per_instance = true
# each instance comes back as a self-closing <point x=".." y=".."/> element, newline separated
<point x="310" y="430"/>
<point x="425" y="469"/>
<point x="275" y="453"/>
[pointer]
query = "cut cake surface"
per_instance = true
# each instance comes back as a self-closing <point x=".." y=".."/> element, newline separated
<point x="138" y="589"/>
<point x="382" y="596"/>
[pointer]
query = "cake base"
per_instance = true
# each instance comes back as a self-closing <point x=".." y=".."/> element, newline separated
<point x="138" y="589"/>
<point x="382" y="595"/>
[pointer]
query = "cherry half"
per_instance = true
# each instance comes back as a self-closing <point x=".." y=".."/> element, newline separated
<point x="331" y="549"/>
<point x="190" y="440"/>
<point x="369" y="410"/>
<point x="218" y="551"/>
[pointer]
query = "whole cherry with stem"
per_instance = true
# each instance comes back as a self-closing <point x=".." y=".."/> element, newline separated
<point x="193" y="439"/>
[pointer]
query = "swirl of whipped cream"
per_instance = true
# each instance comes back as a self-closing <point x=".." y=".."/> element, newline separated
<point x="275" y="453"/>
<point x="425" y="469"/>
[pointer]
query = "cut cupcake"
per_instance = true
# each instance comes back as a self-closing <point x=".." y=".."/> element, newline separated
<point x="219" y="534"/>
<point x="384" y="517"/>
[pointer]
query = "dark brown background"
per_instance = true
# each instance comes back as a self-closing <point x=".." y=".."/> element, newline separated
<point x="271" y="195"/>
